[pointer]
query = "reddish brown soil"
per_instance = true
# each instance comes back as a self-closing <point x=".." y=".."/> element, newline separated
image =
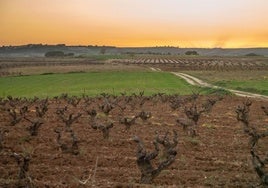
<point x="219" y="156"/>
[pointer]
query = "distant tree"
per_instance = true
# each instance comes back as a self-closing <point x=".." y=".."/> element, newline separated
<point x="54" y="54"/>
<point x="252" y="54"/>
<point x="103" y="50"/>
<point x="69" y="54"/>
<point x="191" y="53"/>
<point x="61" y="45"/>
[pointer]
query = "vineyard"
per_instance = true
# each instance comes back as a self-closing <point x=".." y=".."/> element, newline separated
<point x="130" y="141"/>
<point x="129" y="138"/>
<point x="26" y="66"/>
<point x="217" y="63"/>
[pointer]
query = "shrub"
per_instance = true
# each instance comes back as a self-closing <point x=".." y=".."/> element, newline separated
<point x="54" y="54"/>
<point x="191" y="53"/>
<point x="252" y="55"/>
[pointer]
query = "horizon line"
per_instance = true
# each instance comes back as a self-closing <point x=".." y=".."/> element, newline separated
<point x="112" y="46"/>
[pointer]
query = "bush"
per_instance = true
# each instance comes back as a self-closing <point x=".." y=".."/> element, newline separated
<point x="69" y="54"/>
<point x="191" y="53"/>
<point x="252" y="55"/>
<point x="54" y="54"/>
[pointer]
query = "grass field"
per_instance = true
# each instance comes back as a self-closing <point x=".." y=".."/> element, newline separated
<point x="253" y="86"/>
<point x="93" y="84"/>
<point x="250" y="81"/>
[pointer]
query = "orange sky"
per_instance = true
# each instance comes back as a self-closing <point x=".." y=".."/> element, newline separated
<point x="184" y="23"/>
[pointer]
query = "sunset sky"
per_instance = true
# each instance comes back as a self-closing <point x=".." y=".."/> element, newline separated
<point x="184" y="23"/>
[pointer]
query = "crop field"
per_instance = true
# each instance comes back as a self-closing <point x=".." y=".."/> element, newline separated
<point x="30" y="66"/>
<point x="93" y="84"/>
<point x="200" y="63"/>
<point x="78" y="122"/>
<point x="245" y="74"/>
<point x="101" y="141"/>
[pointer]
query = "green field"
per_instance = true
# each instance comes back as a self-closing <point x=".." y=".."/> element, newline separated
<point x="246" y="80"/>
<point x="93" y="84"/>
<point x="253" y="86"/>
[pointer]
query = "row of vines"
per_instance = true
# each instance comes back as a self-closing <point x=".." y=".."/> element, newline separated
<point x="76" y="141"/>
<point x="199" y="63"/>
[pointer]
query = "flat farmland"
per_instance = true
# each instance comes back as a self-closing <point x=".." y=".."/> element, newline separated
<point x="93" y="83"/>
<point x="239" y="73"/>
<point x="219" y="156"/>
<point x="89" y="132"/>
<point x="177" y="63"/>
<point x="247" y="80"/>
<point x="30" y="66"/>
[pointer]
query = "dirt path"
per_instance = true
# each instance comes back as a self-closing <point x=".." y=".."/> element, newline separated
<point x="197" y="82"/>
<point x="155" y="69"/>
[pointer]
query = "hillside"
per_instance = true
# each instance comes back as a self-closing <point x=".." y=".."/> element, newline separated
<point x="39" y="50"/>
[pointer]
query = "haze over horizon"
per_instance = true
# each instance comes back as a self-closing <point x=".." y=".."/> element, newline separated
<point x="136" y="23"/>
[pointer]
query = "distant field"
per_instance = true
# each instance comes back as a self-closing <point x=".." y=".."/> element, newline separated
<point x="178" y="63"/>
<point x="93" y="84"/>
<point x="32" y="70"/>
<point x="251" y="81"/>
<point x="115" y="74"/>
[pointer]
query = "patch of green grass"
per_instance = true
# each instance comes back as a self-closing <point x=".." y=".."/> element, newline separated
<point x="194" y="141"/>
<point x="253" y="86"/>
<point x="212" y="91"/>
<point x="251" y="81"/>
<point x="209" y="126"/>
<point x="93" y="84"/>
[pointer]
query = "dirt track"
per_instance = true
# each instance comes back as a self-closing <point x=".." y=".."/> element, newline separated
<point x="197" y="82"/>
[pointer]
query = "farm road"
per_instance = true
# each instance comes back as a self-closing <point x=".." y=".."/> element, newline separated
<point x="197" y="82"/>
